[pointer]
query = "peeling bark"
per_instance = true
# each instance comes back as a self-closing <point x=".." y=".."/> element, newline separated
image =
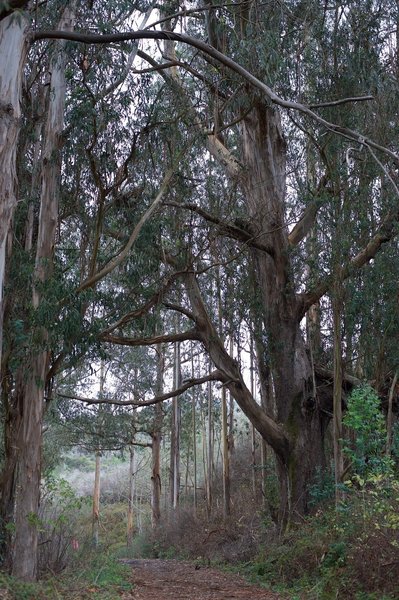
<point x="263" y="156"/>
<point x="29" y="438"/>
<point x="13" y="50"/>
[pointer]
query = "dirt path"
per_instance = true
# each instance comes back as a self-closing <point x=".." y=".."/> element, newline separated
<point x="179" y="580"/>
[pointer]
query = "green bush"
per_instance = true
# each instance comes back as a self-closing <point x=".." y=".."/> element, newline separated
<point x="365" y="419"/>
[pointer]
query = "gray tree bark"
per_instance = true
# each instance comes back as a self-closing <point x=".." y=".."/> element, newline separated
<point x="29" y="437"/>
<point x="13" y="50"/>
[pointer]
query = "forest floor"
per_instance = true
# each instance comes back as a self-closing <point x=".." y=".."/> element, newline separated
<point x="156" y="579"/>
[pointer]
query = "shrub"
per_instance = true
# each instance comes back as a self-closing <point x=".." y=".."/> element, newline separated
<point x="365" y="419"/>
<point x="60" y="508"/>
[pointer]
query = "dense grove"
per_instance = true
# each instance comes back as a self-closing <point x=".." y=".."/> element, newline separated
<point x="198" y="238"/>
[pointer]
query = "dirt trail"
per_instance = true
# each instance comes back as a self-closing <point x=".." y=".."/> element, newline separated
<point x="178" y="580"/>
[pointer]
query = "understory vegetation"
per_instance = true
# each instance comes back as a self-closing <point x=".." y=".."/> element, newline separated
<point x="349" y="550"/>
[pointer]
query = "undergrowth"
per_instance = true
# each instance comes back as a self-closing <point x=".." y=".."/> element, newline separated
<point x="89" y="573"/>
<point x="350" y="553"/>
<point x="94" y="575"/>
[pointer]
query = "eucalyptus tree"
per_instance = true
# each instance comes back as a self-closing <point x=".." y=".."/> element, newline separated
<point x="258" y="172"/>
<point x="241" y="109"/>
<point x="58" y="204"/>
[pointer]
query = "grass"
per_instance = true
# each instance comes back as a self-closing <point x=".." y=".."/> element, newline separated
<point x="92" y="573"/>
<point x="102" y="577"/>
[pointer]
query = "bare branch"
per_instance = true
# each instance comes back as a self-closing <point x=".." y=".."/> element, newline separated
<point x="348" y="380"/>
<point x="342" y="101"/>
<point x="113" y="86"/>
<point x="213" y="376"/>
<point x="191" y="334"/>
<point x="305" y="224"/>
<point x="180" y="309"/>
<point x="178" y="63"/>
<point x="139" y="312"/>
<point x="114" y="262"/>
<point x="214" y="145"/>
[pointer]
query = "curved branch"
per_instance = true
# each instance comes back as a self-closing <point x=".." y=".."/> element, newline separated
<point x="213" y="376"/>
<point x="223" y="59"/>
<point x="191" y="334"/>
<point x="180" y="309"/>
<point x="305" y="223"/>
<point x="271" y="431"/>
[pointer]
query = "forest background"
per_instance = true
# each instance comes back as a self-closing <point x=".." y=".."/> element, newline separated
<point x="202" y="222"/>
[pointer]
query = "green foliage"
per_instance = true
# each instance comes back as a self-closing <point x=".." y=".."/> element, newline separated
<point x="323" y="487"/>
<point x="102" y="577"/>
<point x="57" y="522"/>
<point x="365" y="419"/>
<point x="336" y="555"/>
<point x="339" y="554"/>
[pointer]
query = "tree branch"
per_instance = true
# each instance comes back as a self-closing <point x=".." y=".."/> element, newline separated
<point x="227" y="229"/>
<point x="342" y="101"/>
<point x="139" y="312"/>
<point x="214" y="376"/>
<point x="305" y="223"/>
<point x="223" y="59"/>
<point x="180" y="309"/>
<point x="113" y="263"/>
<point x="214" y="145"/>
<point x="186" y="12"/>
<point x="386" y="231"/>
<point x="231" y="374"/>
<point x="191" y="334"/>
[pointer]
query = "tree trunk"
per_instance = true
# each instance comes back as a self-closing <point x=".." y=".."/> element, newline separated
<point x="130" y="506"/>
<point x="13" y="50"/>
<point x="296" y="435"/>
<point x="263" y="157"/>
<point x="204" y="450"/>
<point x="156" y="445"/>
<point x="156" y="472"/>
<point x="390" y="414"/>
<point x="225" y="433"/>
<point x="28" y="473"/>
<point x="175" y="434"/>
<point x="226" y="457"/>
<point x="253" y="430"/>
<point x="132" y="485"/>
<point x="337" y="392"/>
<point x="29" y="441"/>
<point x="194" y="433"/>
<point x="97" y="472"/>
<point x="209" y="488"/>
<point x="95" y="523"/>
